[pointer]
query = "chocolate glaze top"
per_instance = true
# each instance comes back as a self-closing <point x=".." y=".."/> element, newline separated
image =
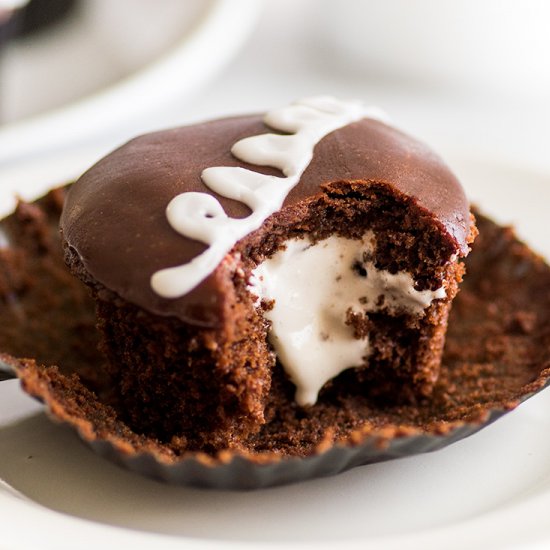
<point x="114" y="217"/>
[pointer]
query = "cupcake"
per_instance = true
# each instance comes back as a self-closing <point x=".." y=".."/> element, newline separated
<point x="266" y="263"/>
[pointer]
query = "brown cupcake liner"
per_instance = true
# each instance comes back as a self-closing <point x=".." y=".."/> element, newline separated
<point x="497" y="355"/>
<point x="238" y="471"/>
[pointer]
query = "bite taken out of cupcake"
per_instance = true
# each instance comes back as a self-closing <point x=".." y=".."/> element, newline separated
<point x="268" y="261"/>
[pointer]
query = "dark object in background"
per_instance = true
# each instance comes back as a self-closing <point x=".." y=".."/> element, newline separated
<point x="37" y="15"/>
<point x="7" y="26"/>
<point x="33" y="17"/>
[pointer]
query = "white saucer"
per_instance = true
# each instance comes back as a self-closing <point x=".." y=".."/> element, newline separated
<point x="489" y="491"/>
<point x="215" y="32"/>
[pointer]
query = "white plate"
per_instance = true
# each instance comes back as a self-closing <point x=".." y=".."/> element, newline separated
<point x="491" y="490"/>
<point x="133" y="104"/>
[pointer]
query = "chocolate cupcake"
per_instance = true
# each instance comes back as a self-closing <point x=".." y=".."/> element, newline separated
<point x="254" y="265"/>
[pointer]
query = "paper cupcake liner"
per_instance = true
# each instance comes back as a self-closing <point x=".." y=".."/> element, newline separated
<point x="497" y="355"/>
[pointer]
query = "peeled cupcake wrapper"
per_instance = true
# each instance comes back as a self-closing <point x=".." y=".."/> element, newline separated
<point x="503" y="276"/>
<point x="236" y="471"/>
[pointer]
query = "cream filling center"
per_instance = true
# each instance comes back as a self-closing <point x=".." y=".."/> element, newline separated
<point x="314" y="287"/>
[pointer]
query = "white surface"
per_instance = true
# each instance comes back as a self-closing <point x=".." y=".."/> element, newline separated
<point x="11" y="4"/>
<point x="99" y="42"/>
<point x="463" y="45"/>
<point x="489" y="491"/>
<point x="122" y="110"/>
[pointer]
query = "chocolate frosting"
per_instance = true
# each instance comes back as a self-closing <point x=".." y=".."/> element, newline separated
<point x="114" y="217"/>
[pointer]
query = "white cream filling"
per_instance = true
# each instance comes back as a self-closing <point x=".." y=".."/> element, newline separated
<point x="314" y="287"/>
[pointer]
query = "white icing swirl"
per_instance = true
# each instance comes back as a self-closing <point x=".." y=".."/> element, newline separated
<point x="200" y="216"/>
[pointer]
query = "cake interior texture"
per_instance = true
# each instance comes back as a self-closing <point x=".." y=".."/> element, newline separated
<point x="215" y="388"/>
<point x="496" y="350"/>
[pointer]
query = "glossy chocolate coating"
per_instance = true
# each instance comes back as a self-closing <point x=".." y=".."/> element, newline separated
<point x="114" y="217"/>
